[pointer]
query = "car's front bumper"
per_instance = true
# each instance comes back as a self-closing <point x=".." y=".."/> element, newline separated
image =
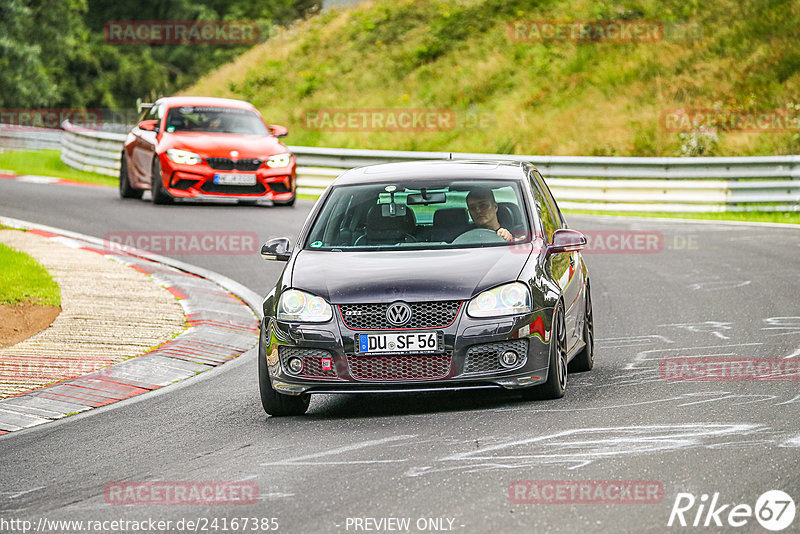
<point x="466" y="342"/>
<point x="196" y="182"/>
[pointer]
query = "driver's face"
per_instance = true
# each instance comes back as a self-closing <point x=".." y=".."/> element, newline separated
<point x="484" y="212"/>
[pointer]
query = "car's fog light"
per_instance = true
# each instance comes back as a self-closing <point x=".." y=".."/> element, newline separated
<point x="295" y="365"/>
<point x="509" y="358"/>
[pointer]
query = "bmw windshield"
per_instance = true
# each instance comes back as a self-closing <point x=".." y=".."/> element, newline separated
<point x="443" y="214"/>
<point x="215" y="119"/>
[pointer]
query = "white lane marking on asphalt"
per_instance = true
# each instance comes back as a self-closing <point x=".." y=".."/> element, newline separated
<point x="647" y="357"/>
<point x="795" y="353"/>
<point x="274" y="496"/>
<point x="302" y="460"/>
<point x="755" y="398"/>
<point x="583" y="446"/>
<point x="718" y="285"/>
<point x="716" y="397"/>
<point x="708" y="327"/>
<point x="791" y="442"/>
<point x="630" y="341"/>
<point x="795" y="399"/>
<point x="790" y="324"/>
<point x="17" y="494"/>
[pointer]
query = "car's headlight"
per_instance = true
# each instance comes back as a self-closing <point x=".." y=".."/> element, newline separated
<point x="295" y="305"/>
<point x="183" y="157"/>
<point x="279" y="160"/>
<point x="508" y="299"/>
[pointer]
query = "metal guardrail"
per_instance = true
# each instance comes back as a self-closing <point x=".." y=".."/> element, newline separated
<point x="19" y="138"/>
<point x="769" y="183"/>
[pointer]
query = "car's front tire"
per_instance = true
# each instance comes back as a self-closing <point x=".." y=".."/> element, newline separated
<point x="274" y="403"/>
<point x="157" y="193"/>
<point x="556" y="384"/>
<point x="584" y="360"/>
<point x="126" y="190"/>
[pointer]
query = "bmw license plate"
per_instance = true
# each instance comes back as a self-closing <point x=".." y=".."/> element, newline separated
<point x="399" y="343"/>
<point x="235" y="179"/>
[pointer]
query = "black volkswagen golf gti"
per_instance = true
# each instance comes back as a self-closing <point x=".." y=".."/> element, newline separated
<point x="424" y="276"/>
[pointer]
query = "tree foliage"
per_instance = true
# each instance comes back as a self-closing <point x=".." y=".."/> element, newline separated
<point x="53" y="52"/>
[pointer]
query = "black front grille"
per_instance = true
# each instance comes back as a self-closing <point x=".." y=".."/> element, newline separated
<point x="278" y="187"/>
<point x="312" y="361"/>
<point x="486" y="358"/>
<point x="226" y="164"/>
<point x="211" y="187"/>
<point x="423" y="315"/>
<point x="184" y="184"/>
<point x="404" y="367"/>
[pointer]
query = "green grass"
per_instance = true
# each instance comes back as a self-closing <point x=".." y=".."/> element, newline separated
<point x="48" y="163"/>
<point x="748" y="216"/>
<point x="559" y="98"/>
<point x="23" y="279"/>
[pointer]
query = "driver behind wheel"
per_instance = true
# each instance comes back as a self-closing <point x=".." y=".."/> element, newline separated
<point x="483" y="209"/>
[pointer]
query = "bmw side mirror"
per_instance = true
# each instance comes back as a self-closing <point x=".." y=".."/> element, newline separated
<point x="278" y="249"/>
<point x="149" y="126"/>
<point x="278" y="131"/>
<point x="566" y="240"/>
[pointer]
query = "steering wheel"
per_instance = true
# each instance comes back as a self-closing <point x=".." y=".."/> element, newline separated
<point x="478" y="236"/>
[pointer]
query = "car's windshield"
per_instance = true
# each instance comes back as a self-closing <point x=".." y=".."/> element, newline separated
<point x="215" y="119"/>
<point x="442" y="214"/>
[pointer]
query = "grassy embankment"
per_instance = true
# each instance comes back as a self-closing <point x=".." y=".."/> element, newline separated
<point x="561" y="98"/>
<point x="24" y="280"/>
<point x="48" y="163"/>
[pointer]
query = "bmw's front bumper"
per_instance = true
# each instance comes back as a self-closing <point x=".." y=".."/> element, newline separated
<point x="466" y="341"/>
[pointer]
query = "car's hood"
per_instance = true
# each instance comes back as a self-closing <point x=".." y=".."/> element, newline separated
<point x="455" y="274"/>
<point x="221" y="145"/>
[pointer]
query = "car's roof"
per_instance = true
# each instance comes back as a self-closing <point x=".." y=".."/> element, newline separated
<point x="175" y="101"/>
<point x="433" y="170"/>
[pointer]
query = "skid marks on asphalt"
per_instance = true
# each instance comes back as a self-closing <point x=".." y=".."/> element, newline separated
<point x="581" y="447"/>
<point x="322" y="457"/>
<point x="650" y="359"/>
<point x="9" y="502"/>
<point x="682" y="400"/>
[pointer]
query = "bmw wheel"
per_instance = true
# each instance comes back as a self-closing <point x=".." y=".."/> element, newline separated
<point x="125" y="188"/>
<point x="158" y="195"/>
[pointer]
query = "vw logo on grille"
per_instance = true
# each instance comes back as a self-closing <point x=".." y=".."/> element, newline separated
<point x="398" y="314"/>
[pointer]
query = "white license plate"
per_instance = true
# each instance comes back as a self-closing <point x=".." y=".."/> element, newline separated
<point x="235" y="179"/>
<point x="399" y="342"/>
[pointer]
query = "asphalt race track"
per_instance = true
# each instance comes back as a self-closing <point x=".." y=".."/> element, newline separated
<point x="447" y="460"/>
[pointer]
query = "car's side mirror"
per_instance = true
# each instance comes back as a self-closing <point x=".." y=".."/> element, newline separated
<point x="149" y="126"/>
<point x="566" y="240"/>
<point x="278" y="131"/>
<point x="278" y="249"/>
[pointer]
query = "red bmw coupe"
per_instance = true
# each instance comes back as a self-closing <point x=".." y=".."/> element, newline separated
<point x="207" y="148"/>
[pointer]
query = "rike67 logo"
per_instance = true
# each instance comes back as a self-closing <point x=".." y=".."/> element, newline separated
<point x="774" y="510"/>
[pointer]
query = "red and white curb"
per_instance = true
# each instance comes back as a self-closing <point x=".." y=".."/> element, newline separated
<point x="223" y="319"/>
<point x="36" y="179"/>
